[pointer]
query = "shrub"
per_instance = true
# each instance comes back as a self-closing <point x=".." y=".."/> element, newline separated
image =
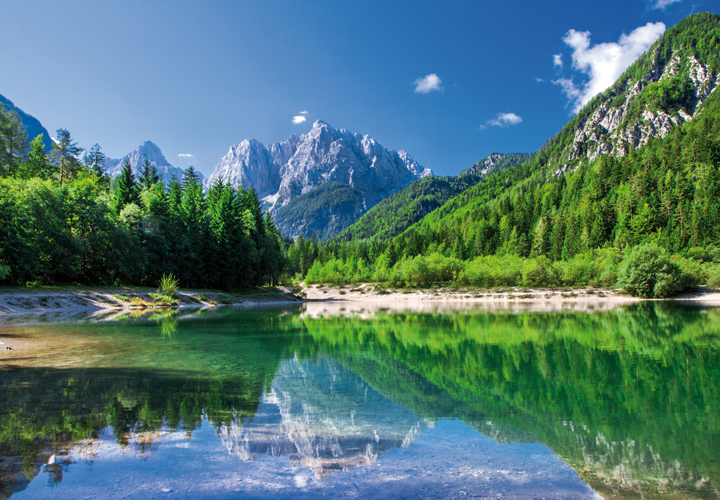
<point x="713" y="280"/>
<point x="538" y="272"/>
<point x="649" y="272"/>
<point x="169" y="285"/>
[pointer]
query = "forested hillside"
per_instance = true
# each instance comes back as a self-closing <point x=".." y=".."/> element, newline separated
<point x="393" y="215"/>
<point x="324" y="210"/>
<point x="562" y="203"/>
<point x="61" y="222"/>
<point x="590" y="201"/>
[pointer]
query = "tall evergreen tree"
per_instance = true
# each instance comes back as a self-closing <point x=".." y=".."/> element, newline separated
<point x="37" y="163"/>
<point x="65" y="153"/>
<point x="96" y="160"/>
<point x="148" y="174"/>
<point x="126" y="188"/>
<point x="13" y="142"/>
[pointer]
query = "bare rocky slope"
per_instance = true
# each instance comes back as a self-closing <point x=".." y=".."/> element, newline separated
<point x="663" y="89"/>
<point x="360" y="168"/>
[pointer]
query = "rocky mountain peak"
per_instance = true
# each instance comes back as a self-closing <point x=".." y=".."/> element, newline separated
<point x="664" y="88"/>
<point x="149" y="151"/>
<point x="283" y="171"/>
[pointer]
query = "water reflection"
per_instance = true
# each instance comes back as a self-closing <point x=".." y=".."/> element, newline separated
<point x="321" y="415"/>
<point x="628" y="397"/>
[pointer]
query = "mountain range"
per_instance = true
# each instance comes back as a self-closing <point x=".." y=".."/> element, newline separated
<point x="320" y="181"/>
<point x="334" y="182"/>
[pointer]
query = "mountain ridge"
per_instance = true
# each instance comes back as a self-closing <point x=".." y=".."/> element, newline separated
<point x="149" y="151"/>
<point x="32" y="124"/>
<point x="292" y="169"/>
<point x="500" y="213"/>
<point x="411" y="204"/>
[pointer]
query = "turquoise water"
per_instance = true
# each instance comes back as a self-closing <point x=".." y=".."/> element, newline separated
<point x="298" y="402"/>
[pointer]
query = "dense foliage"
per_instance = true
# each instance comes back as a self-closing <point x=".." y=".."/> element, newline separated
<point x="395" y="214"/>
<point x="62" y="222"/>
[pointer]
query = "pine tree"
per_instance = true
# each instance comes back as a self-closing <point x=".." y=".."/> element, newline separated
<point x="65" y="152"/>
<point x="37" y="164"/>
<point x="148" y="174"/>
<point x="96" y="160"/>
<point x="126" y="188"/>
<point x="13" y="142"/>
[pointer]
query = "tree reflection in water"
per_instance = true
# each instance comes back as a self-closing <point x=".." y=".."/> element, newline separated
<point x="628" y="397"/>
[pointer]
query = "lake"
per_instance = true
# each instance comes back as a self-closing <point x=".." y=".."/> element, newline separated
<point x="353" y="401"/>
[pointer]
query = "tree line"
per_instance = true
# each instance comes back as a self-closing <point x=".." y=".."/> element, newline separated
<point x="64" y="221"/>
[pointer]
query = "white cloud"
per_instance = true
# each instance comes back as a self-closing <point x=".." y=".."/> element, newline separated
<point x="503" y="120"/>
<point x="428" y="84"/>
<point x="538" y="79"/>
<point x="604" y="62"/>
<point x="557" y="60"/>
<point x="303" y="112"/>
<point x="185" y="155"/>
<point x="661" y="4"/>
<point x="298" y="119"/>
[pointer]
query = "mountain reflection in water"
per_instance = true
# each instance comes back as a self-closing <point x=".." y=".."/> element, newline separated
<point x="628" y="397"/>
<point x="322" y="416"/>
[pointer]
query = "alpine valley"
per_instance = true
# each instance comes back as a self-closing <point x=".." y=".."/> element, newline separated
<point x="633" y="178"/>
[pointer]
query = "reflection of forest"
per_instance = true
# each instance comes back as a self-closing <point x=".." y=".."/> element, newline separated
<point x="210" y="372"/>
<point x="629" y="398"/>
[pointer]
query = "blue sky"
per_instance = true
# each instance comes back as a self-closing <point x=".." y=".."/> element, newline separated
<point x="449" y="82"/>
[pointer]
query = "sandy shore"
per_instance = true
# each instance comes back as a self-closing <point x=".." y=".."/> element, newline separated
<point x="369" y="292"/>
<point x="373" y="294"/>
<point x="21" y="301"/>
<point x="14" y="302"/>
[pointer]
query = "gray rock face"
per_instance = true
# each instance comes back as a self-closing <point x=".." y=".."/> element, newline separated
<point x="148" y="150"/>
<point x="616" y="126"/>
<point x="291" y="168"/>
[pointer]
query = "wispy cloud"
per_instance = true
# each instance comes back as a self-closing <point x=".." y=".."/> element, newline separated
<point x="298" y="119"/>
<point x="661" y="4"/>
<point x="557" y="60"/>
<point x="186" y="155"/>
<point x="428" y="83"/>
<point x="605" y="62"/>
<point x="538" y="79"/>
<point x="303" y="112"/>
<point x="502" y="120"/>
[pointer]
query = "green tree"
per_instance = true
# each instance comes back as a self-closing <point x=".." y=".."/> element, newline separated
<point x="65" y="153"/>
<point x="148" y="174"/>
<point x="126" y="188"/>
<point x="96" y="160"/>
<point x="37" y="163"/>
<point x="13" y="142"/>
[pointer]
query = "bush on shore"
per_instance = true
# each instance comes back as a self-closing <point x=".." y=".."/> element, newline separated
<point x="645" y="271"/>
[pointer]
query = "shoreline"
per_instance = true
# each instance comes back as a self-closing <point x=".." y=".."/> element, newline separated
<point x="15" y="302"/>
<point x="30" y="301"/>
<point x="371" y="293"/>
